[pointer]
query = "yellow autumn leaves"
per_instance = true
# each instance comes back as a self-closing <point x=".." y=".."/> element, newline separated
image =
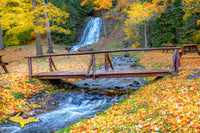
<point x="16" y="87"/>
<point x="14" y="90"/>
<point x="18" y="16"/>
<point x="167" y="105"/>
<point x="99" y="4"/>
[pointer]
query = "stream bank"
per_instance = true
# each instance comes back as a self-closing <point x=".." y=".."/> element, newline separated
<point x="84" y="100"/>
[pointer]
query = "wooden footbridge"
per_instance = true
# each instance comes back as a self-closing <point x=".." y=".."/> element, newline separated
<point x="175" y="63"/>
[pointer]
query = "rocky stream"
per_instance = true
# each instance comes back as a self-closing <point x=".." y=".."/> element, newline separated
<point x="85" y="100"/>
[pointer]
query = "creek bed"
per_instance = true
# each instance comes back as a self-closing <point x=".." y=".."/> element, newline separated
<point x="68" y="107"/>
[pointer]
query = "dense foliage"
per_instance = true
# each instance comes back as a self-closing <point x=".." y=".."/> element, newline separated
<point x="171" y="28"/>
<point x="153" y="22"/>
<point x="22" y="20"/>
<point x="158" y="22"/>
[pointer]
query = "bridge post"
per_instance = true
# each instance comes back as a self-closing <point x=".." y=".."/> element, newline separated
<point x="177" y="61"/>
<point x="173" y="61"/>
<point x="107" y="59"/>
<point x="30" y="66"/>
<point x="50" y="65"/>
<point x="94" y="66"/>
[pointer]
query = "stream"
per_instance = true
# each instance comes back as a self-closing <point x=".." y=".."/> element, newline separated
<point x="87" y="98"/>
<point x="68" y="107"/>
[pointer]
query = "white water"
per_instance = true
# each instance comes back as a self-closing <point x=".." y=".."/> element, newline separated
<point x="91" y="33"/>
<point x="74" y="107"/>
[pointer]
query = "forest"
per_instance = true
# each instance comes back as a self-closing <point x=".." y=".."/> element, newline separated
<point x="36" y="36"/>
<point x="142" y="20"/>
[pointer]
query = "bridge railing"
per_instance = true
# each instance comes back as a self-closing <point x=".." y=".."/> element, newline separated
<point x="175" y="61"/>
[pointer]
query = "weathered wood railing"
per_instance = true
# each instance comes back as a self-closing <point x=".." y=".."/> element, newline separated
<point x="175" y="63"/>
<point x="3" y="64"/>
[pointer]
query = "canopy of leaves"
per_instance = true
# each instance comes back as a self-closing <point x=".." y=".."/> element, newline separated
<point x="192" y="7"/>
<point x="99" y="4"/>
<point x="170" y="28"/>
<point x="18" y="16"/>
<point x="141" y="12"/>
<point x="164" y="20"/>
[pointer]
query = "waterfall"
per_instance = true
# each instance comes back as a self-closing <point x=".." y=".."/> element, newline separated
<point x="91" y="33"/>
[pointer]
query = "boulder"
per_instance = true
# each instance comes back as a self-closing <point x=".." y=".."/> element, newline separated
<point x="126" y="54"/>
<point x="135" y="84"/>
<point x="133" y="65"/>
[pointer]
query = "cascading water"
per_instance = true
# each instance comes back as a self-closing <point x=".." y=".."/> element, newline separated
<point x="91" y="33"/>
<point x="70" y="107"/>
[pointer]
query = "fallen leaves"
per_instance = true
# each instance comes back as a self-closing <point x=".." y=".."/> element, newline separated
<point x="14" y="91"/>
<point x="158" y="107"/>
<point x="167" y="105"/>
<point x="16" y="87"/>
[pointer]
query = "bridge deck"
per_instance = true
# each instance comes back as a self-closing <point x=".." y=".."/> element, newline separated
<point x="102" y="74"/>
<point x="93" y="73"/>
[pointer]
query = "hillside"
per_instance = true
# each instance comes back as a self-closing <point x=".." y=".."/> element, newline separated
<point x="117" y="36"/>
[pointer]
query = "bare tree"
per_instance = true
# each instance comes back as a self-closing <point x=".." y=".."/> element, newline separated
<point x="145" y="35"/>
<point x="2" y="44"/>
<point x="104" y="24"/>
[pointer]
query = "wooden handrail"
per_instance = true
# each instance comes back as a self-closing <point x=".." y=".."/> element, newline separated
<point x="174" y="65"/>
<point x="105" y="51"/>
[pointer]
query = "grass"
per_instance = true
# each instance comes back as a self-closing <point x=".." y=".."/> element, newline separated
<point x="113" y="46"/>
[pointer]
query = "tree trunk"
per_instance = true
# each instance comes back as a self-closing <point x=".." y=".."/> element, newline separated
<point x="38" y="36"/>
<point x="104" y="25"/>
<point x="145" y="35"/>
<point x="48" y="32"/>
<point x="38" y="44"/>
<point x="2" y="44"/>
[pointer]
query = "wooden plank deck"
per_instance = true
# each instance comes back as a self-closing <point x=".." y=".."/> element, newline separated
<point x="93" y="73"/>
<point x="102" y="74"/>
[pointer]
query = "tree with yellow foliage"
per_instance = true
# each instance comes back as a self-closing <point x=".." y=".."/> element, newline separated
<point x="191" y="7"/>
<point x="123" y="4"/>
<point x="14" y="18"/>
<point x="141" y="13"/>
<point x="21" y="15"/>
<point x="43" y="14"/>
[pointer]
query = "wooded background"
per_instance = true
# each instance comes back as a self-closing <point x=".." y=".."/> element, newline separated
<point x="149" y="23"/>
